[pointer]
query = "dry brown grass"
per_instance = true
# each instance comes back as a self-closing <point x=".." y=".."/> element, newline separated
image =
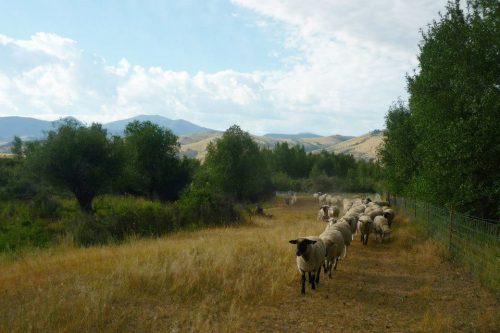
<point x="241" y="279"/>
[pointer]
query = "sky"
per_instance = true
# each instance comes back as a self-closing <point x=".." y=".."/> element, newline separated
<point x="274" y="66"/>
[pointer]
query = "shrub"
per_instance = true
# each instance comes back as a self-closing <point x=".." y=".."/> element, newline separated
<point x="202" y="206"/>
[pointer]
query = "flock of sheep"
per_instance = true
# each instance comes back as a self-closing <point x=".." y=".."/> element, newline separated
<point x="360" y="216"/>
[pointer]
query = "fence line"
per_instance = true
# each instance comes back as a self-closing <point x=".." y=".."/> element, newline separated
<point x="470" y="241"/>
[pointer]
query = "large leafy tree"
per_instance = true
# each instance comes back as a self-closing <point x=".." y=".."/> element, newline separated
<point x="154" y="168"/>
<point x="397" y="154"/>
<point x="83" y="160"/>
<point x="236" y="167"/>
<point x="455" y="111"/>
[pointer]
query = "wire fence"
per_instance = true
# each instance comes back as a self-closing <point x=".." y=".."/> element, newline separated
<point x="470" y="241"/>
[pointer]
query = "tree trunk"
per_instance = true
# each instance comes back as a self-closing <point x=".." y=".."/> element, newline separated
<point x="85" y="202"/>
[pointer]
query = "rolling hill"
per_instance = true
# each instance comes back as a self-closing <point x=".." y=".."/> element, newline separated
<point x="361" y="147"/>
<point x="27" y="128"/>
<point x="178" y="126"/>
<point x="194" y="139"/>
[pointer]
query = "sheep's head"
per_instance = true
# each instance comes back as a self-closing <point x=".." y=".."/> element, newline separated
<point x="331" y="221"/>
<point x="386" y="233"/>
<point x="302" y="245"/>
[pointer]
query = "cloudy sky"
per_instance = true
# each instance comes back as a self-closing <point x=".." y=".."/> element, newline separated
<point x="323" y="66"/>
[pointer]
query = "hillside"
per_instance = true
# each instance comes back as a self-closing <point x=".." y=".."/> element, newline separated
<point x="177" y="126"/>
<point x="27" y="128"/>
<point x="194" y="139"/>
<point x="32" y="128"/>
<point x="242" y="279"/>
<point x="362" y="147"/>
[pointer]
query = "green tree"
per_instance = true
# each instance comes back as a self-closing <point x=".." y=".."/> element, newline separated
<point x="80" y="159"/>
<point x="455" y="107"/>
<point x="235" y="166"/>
<point x="17" y="147"/>
<point x="154" y="168"/>
<point x="397" y="154"/>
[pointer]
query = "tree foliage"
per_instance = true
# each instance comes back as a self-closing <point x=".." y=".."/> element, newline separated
<point x="153" y="168"/>
<point x="454" y="113"/>
<point x="80" y="159"/>
<point x="397" y="154"/>
<point x="235" y="166"/>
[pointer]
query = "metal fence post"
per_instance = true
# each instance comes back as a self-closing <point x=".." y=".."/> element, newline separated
<point x="452" y="218"/>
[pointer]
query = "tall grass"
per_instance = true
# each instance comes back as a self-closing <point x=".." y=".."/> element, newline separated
<point x="205" y="280"/>
<point x="228" y="279"/>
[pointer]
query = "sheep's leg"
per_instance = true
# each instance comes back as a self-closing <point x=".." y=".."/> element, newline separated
<point x="330" y="270"/>
<point x="366" y="239"/>
<point x="317" y="275"/>
<point x="311" y="280"/>
<point x="303" y="289"/>
<point x="335" y="266"/>
<point x="325" y="265"/>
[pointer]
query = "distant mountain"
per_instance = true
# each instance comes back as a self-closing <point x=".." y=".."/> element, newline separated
<point x="27" y="128"/>
<point x="178" y="126"/>
<point x="292" y="136"/>
<point x="194" y="139"/>
<point x="32" y="129"/>
<point x="361" y="147"/>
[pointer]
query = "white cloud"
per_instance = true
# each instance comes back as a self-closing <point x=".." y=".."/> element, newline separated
<point x="4" y="40"/>
<point x="49" y="44"/>
<point x="121" y="69"/>
<point x="347" y="65"/>
<point x="49" y="84"/>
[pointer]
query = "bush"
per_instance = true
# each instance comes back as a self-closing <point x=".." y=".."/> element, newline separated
<point x="21" y="228"/>
<point x="202" y="206"/>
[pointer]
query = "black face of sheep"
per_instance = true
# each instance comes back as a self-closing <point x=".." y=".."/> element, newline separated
<point x="302" y="245"/>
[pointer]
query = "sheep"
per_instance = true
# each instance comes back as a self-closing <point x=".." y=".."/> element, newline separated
<point x="352" y="221"/>
<point x="333" y="211"/>
<point x="344" y="228"/>
<point x="322" y="199"/>
<point x="335" y="248"/>
<point x="357" y="209"/>
<point x="389" y="215"/>
<point x="334" y="200"/>
<point x="347" y="204"/>
<point x="290" y="198"/>
<point x="311" y="252"/>
<point x="322" y="213"/>
<point x="381" y="226"/>
<point x="382" y="203"/>
<point x="365" y="226"/>
<point x="374" y="211"/>
<point x="316" y="195"/>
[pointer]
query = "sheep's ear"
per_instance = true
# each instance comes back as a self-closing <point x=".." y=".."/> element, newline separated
<point x="293" y="241"/>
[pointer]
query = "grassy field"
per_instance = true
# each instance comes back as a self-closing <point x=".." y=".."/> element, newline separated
<point x="242" y="279"/>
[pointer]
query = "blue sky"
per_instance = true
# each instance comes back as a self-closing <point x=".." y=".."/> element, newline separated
<point x="189" y="35"/>
<point x="329" y="67"/>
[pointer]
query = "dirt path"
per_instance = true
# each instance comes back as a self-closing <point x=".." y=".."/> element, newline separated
<point x="402" y="286"/>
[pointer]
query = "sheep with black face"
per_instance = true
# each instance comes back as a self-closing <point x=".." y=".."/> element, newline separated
<point x="310" y="254"/>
